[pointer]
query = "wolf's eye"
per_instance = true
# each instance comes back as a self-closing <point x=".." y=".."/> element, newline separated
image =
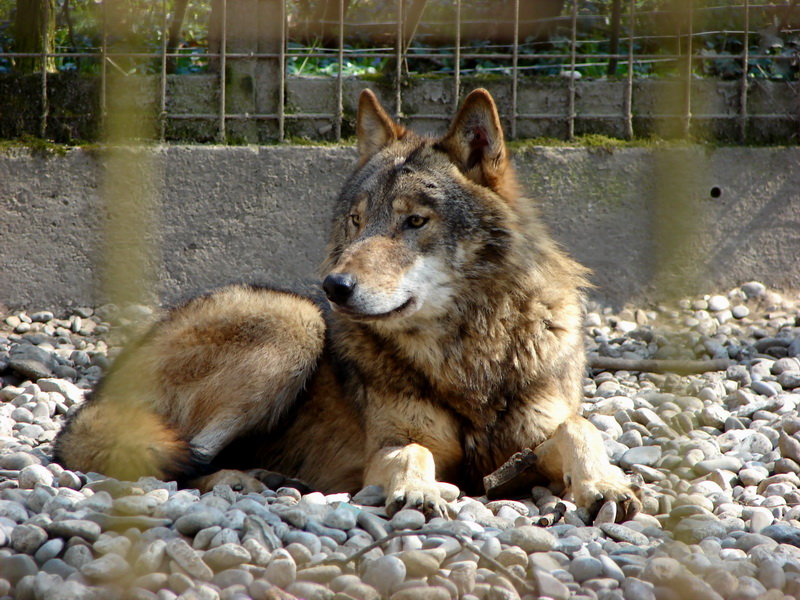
<point x="416" y="221"/>
<point x="355" y="219"/>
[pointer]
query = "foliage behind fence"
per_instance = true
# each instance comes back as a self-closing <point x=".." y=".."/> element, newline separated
<point x="256" y="70"/>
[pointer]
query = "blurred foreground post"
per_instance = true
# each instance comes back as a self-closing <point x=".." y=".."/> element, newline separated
<point x="131" y="198"/>
<point x="680" y="173"/>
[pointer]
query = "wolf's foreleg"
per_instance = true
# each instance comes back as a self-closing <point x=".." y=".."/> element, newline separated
<point x="575" y="454"/>
<point x="408" y="474"/>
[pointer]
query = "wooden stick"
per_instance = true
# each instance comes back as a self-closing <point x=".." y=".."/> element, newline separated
<point x="680" y="367"/>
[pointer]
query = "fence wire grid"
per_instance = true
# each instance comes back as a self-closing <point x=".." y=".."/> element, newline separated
<point x="256" y="70"/>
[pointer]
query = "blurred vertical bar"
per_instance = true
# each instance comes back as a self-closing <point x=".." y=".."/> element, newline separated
<point x="573" y="40"/>
<point x="45" y="56"/>
<point x="515" y="72"/>
<point x="223" y="49"/>
<point x="680" y="180"/>
<point x="457" y="58"/>
<point x="132" y="234"/>
<point x="398" y="99"/>
<point x="340" y="78"/>
<point x="104" y="70"/>
<point x="745" y="62"/>
<point x="628" y="98"/>
<point x="687" y="92"/>
<point x="162" y="113"/>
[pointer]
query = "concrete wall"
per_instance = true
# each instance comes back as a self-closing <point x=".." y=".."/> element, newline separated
<point x="648" y="221"/>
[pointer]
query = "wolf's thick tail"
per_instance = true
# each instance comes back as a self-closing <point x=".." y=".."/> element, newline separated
<point x="125" y="442"/>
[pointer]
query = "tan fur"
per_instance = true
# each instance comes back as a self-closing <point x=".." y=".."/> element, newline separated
<point x="454" y="341"/>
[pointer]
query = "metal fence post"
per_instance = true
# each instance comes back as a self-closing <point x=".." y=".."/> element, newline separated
<point x="745" y="62"/>
<point x="572" y="61"/>
<point x="162" y="106"/>
<point x="223" y="68"/>
<point x="687" y="92"/>
<point x="398" y="95"/>
<point x="457" y="59"/>
<point x="339" y="76"/>
<point x="104" y="70"/>
<point x="515" y="72"/>
<point x="628" y="99"/>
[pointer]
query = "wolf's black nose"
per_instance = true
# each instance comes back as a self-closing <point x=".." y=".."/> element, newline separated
<point x="339" y="287"/>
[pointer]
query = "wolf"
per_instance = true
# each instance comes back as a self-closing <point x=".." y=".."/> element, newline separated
<point x="449" y="338"/>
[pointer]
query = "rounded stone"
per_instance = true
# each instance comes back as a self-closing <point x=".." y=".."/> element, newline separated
<point x="661" y="570"/>
<point x="585" y="567"/>
<point x="642" y="455"/>
<point x="319" y="573"/>
<point x="226" y="556"/>
<point x="360" y="591"/>
<point x="88" y="530"/>
<point x="718" y="303"/>
<point x="340" y="518"/>
<point x="771" y="575"/>
<point x="309" y="591"/>
<point x="529" y="537"/>
<point x="188" y="559"/>
<point x="49" y="550"/>
<point x="407" y="519"/>
<point x="622" y="533"/>
<point x="420" y="563"/>
<point x="18" y="460"/>
<point x="106" y="568"/>
<point x="193" y="522"/>
<point x="77" y="556"/>
<point x="231" y="577"/>
<point x="282" y="569"/>
<point x="783" y="534"/>
<point x="303" y="538"/>
<point x="27" y="539"/>
<point x="422" y="592"/>
<point x="385" y="573"/>
<point x="33" y="474"/>
<point x="17" y="566"/>
<point x="754" y="289"/>
<point x="463" y="574"/>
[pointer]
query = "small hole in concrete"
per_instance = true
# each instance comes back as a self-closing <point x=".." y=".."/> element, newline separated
<point x="716" y="192"/>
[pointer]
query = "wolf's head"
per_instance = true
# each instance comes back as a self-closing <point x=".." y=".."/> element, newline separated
<point x="421" y="220"/>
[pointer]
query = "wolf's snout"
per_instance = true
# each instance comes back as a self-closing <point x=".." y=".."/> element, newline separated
<point x="339" y="287"/>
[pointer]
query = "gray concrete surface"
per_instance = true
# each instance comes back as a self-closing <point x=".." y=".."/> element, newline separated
<point x="645" y="220"/>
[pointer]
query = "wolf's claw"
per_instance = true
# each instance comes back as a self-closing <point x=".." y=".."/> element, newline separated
<point x="609" y="487"/>
<point x="423" y="498"/>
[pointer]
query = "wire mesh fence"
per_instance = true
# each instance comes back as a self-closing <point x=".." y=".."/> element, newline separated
<point x="261" y="70"/>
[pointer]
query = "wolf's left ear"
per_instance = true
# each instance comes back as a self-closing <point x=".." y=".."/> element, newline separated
<point x="475" y="140"/>
<point x="374" y="128"/>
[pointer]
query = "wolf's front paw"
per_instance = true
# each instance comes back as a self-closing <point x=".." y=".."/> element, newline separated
<point x="422" y="496"/>
<point x="610" y="486"/>
<point x="238" y="481"/>
<point x="274" y="480"/>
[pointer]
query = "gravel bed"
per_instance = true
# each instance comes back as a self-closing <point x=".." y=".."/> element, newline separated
<point x="717" y="455"/>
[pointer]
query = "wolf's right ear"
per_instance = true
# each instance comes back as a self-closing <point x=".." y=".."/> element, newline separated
<point x="476" y="144"/>
<point x="375" y="129"/>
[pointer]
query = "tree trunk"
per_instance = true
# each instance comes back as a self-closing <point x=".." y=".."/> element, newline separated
<point x="29" y="34"/>
<point x="175" y="29"/>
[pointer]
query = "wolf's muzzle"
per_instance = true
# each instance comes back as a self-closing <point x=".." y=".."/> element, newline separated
<point x="339" y="287"/>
